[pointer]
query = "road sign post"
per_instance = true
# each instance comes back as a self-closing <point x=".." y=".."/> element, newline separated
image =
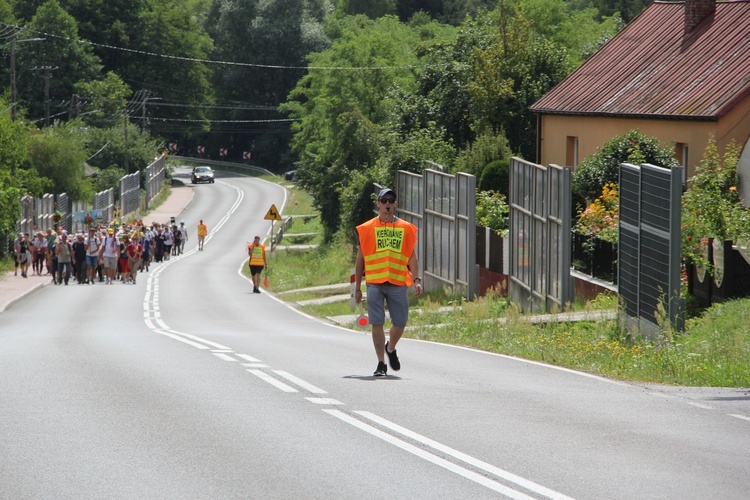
<point x="272" y="215"/>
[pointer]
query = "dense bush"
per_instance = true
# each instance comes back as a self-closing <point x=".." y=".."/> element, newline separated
<point x="496" y="177"/>
<point x="492" y="211"/>
<point x="712" y="207"/>
<point x="603" y="166"/>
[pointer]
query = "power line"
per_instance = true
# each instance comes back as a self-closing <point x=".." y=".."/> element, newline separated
<point x="221" y="63"/>
<point x="209" y="106"/>
<point x="183" y="120"/>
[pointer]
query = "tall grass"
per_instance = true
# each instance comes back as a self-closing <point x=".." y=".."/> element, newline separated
<point x="6" y="264"/>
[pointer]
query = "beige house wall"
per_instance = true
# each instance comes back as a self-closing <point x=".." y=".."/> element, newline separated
<point x="592" y="132"/>
<point x="735" y="126"/>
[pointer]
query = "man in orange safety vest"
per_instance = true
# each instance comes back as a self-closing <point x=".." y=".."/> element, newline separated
<point x="387" y="259"/>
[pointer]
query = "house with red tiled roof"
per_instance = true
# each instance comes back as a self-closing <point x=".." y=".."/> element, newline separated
<point x="680" y="71"/>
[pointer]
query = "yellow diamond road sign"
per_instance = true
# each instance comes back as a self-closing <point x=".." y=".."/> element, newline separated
<point x="273" y="213"/>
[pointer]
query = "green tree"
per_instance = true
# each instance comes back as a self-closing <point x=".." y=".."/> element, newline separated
<point x="370" y="8"/>
<point x="581" y="30"/>
<point x="58" y="154"/>
<point x="10" y="209"/>
<point x="106" y="98"/>
<point x="6" y="12"/>
<point x="410" y="152"/>
<point x="515" y="70"/>
<point x="339" y="114"/>
<point x="456" y="11"/>
<point x="114" y="23"/>
<point x="408" y="8"/>
<point x="441" y="95"/>
<point x="628" y="9"/>
<point x="486" y="149"/>
<point x="711" y="206"/>
<point x="163" y="44"/>
<point x="14" y="140"/>
<point x="269" y="42"/>
<point x="105" y="147"/>
<point x="59" y="61"/>
<point x="108" y="178"/>
<point x="12" y="152"/>
<point x="167" y="27"/>
<point x="496" y="177"/>
<point x="482" y="80"/>
<point x="493" y="211"/>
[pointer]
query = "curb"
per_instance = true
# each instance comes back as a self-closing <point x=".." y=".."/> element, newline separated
<point x="12" y="301"/>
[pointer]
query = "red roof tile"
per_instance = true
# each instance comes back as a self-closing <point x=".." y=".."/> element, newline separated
<point x="651" y="68"/>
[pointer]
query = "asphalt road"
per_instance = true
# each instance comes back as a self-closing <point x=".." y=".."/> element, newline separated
<point x="188" y="385"/>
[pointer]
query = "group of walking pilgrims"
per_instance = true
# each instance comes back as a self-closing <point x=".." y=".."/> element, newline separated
<point x="101" y="254"/>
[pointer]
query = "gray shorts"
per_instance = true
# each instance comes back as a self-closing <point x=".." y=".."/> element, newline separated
<point x="110" y="262"/>
<point x="397" y="300"/>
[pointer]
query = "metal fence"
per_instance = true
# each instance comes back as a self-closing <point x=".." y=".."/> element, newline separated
<point x="130" y="193"/>
<point x="38" y="214"/>
<point x="104" y="203"/>
<point x="42" y="213"/>
<point x="540" y="244"/>
<point x="649" y="247"/>
<point x="79" y="209"/>
<point x="28" y="214"/>
<point x="155" y="175"/>
<point x="443" y="207"/>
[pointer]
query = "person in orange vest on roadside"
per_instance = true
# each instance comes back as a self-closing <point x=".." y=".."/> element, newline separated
<point x="387" y="259"/>
<point x="257" y="262"/>
<point x="202" y="232"/>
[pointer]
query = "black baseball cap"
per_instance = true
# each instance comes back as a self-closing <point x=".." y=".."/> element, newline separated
<point x="385" y="191"/>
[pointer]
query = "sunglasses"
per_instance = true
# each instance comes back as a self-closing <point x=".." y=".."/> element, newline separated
<point x="388" y="200"/>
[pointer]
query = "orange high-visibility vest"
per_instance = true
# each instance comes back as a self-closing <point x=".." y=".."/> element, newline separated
<point x="256" y="255"/>
<point x="387" y="249"/>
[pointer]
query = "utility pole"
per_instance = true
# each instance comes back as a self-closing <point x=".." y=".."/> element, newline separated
<point x="143" y="111"/>
<point x="73" y="107"/>
<point x="12" y="80"/>
<point x="47" y="70"/>
<point x="127" y="153"/>
<point x="13" y="73"/>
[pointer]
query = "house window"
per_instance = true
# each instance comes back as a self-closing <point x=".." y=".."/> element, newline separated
<point x="681" y="152"/>
<point x="571" y="152"/>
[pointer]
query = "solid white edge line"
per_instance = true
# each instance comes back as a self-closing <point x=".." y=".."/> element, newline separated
<point x="506" y="356"/>
<point x="276" y="383"/>
<point x="406" y="339"/>
<point x="298" y="381"/>
<point x="508" y="476"/>
<point x="741" y="417"/>
<point x="441" y="462"/>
